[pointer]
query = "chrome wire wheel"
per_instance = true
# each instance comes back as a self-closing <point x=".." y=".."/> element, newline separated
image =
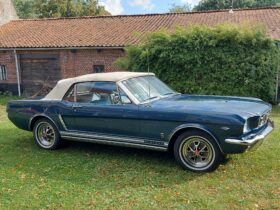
<point x="45" y="134"/>
<point x="196" y="152"/>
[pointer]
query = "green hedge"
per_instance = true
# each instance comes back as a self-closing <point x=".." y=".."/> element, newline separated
<point x="239" y="60"/>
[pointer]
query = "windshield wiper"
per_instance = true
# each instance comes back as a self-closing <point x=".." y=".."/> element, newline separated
<point x="148" y="99"/>
<point x="168" y="94"/>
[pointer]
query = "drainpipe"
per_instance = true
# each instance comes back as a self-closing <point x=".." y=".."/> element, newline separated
<point x="18" y="75"/>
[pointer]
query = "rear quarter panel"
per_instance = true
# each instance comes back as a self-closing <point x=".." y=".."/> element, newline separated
<point x="21" y="112"/>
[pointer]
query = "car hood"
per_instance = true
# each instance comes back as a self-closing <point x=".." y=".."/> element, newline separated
<point x="241" y="106"/>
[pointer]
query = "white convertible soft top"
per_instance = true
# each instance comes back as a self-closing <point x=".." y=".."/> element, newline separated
<point x="63" y="86"/>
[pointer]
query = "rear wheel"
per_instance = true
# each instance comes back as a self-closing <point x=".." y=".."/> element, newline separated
<point x="197" y="151"/>
<point x="46" y="134"/>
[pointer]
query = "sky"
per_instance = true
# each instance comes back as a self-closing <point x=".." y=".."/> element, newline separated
<point x="126" y="7"/>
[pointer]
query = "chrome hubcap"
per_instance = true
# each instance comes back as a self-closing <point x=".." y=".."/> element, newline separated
<point x="45" y="134"/>
<point x="196" y="152"/>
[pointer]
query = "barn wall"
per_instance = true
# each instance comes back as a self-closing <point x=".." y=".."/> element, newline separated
<point x="7" y="59"/>
<point x="71" y="63"/>
<point x="39" y="72"/>
<point x="79" y="62"/>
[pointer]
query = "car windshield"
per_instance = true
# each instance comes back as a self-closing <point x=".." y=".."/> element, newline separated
<point x="147" y="88"/>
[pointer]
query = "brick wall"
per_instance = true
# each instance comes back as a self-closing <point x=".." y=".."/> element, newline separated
<point x="72" y="63"/>
<point x="7" y="58"/>
<point x="79" y="62"/>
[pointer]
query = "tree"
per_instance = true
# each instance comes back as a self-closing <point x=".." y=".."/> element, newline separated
<point x="58" y="8"/>
<point x="180" y="8"/>
<point x="24" y="8"/>
<point x="226" y="4"/>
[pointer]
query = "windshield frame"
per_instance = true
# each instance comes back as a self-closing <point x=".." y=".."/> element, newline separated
<point x="134" y="99"/>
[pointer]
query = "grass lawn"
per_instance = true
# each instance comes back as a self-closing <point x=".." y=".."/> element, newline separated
<point x="82" y="176"/>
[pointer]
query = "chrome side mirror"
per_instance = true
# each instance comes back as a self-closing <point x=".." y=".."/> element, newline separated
<point x="116" y="98"/>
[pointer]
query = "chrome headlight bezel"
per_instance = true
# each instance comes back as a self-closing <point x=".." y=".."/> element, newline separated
<point x="246" y="127"/>
<point x="263" y="119"/>
<point x="255" y="122"/>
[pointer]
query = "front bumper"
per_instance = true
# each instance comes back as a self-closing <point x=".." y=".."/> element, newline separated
<point x="253" y="140"/>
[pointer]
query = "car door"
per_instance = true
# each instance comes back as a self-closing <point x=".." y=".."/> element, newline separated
<point x="155" y="123"/>
<point x="94" y="111"/>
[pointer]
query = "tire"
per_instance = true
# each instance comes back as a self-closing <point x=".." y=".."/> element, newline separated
<point x="46" y="134"/>
<point x="197" y="151"/>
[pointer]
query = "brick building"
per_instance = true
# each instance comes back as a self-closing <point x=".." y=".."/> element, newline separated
<point x="34" y="53"/>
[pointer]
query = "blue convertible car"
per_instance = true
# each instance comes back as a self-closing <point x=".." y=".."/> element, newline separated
<point x="139" y="110"/>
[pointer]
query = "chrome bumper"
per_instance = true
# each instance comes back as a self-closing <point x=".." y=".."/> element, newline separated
<point x="253" y="140"/>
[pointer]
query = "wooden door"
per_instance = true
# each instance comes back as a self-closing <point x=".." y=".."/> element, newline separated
<point x="39" y="73"/>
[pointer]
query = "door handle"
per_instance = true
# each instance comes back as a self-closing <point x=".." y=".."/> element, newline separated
<point x="76" y="106"/>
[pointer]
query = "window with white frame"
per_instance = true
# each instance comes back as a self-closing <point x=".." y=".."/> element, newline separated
<point x="3" y="72"/>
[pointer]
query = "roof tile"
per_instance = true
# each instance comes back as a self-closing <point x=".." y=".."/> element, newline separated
<point x="118" y="31"/>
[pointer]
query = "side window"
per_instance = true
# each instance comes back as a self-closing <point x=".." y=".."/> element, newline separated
<point x="92" y="92"/>
<point x="3" y="72"/>
<point x="124" y="98"/>
<point x="71" y="94"/>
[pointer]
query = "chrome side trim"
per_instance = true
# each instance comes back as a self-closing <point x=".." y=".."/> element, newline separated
<point x="251" y="141"/>
<point x="100" y="136"/>
<point x="62" y="122"/>
<point x="112" y="142"/>
<point x="196" y="127"/>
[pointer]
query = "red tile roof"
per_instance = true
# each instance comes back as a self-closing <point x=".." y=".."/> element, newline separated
<point x="118" y="31"/>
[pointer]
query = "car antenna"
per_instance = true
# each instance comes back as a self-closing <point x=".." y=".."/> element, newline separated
<point x="149" y="85"/>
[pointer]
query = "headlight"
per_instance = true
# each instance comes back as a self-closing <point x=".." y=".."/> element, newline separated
<point x="263" y="120"/>
<point x="255" y="122"/>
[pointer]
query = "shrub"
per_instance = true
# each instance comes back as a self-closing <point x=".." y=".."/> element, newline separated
<point x="226" y="60"/>
<point x="5" y="93"/>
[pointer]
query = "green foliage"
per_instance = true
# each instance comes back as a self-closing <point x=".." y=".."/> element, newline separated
<point x="24" y="8"/>
<point x="180" y="8"/>
<point x="58" y="8"/>
<point x="225" y="60"/>
<point x="5" y="98"/>
<point x="226" y="4"/>
<point x="5" y="93"/>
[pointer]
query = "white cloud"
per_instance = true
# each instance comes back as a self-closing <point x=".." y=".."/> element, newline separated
<point x="191" y="2"/>
<point x="146" y="4"/>
<point x="113" y="6"/>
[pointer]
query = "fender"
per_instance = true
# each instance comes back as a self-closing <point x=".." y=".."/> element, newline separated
<point x="196" y="126"/>
<point x="38" y="116"/>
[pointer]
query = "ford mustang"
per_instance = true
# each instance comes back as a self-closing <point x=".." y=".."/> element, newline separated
<point x="139" y="110"/>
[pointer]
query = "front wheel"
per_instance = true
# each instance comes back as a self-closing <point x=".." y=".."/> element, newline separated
<point x="46" y="134"/>
<point x="197" y="151"/>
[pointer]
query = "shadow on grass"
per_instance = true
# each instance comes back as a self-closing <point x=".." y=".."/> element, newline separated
<point x="81" y="163"/>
